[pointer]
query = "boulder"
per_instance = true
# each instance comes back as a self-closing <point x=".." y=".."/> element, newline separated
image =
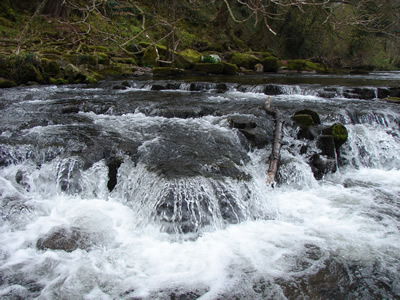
<point x="339" y="133"/>
<point x="321" y="166"/>
<point x="167" y="71"/>
<point x="270" y="64"/>
<point x="6" y="83"/>
<point x="259" y="68"/>
<point x="247" y="61"/>
<point x="64" y="238"/>
<point x="229" y="69"/>
<point x="326" y="143"/>
<point x="314" y="115"/>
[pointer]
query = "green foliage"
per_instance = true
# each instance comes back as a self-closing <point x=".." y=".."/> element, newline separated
<point x="208" y="59"/>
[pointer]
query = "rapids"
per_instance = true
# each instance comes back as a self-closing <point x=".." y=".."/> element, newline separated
<point x="155" y="189"/>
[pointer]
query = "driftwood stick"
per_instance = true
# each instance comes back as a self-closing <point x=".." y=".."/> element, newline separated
<point x="276" y="147"/>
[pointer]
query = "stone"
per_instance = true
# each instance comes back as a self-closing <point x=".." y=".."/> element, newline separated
<point x="270" y="64"/>
<point x="321" y="166"/>
<point x="64" y="238"/>
<point x="6" y="83"/>
<point x="339" y="133"/>
<point x="326" y="143"/>
<point x="230" y="69"/>
<point x="314" y="115"/>
<point x="259" y="68"/>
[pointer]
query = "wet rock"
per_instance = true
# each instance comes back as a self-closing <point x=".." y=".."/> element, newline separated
<point x="201" y="86"/>
<point x="314" y="115"/>
<point x="257" y="136"/>
<point x="273" y="89"/>
<point x="64" y="238"/>
<point x="321" y="166"/>
<point x="360" y="93"/>
<point x="70" y="109"/>
<point x="113" y="165"/>
<point x="119" y="87"/>
<point x="303" y="120"/>
<point x="326" y="143"/>
<point x="339" y="133"/>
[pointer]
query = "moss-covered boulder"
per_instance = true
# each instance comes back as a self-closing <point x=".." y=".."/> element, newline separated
<point x="209" y="68"/>
<point x="229" y="69"/>
<point x="190" y="55"/>
<point x="339" y="133"/>
<point x="149" y="58"/>
<point x="244" y="60"/>
<point x="303" y="120"/>
<point x="306" y="117"/>
<point x="73" y="74"/>
<point x="270" y="64"/>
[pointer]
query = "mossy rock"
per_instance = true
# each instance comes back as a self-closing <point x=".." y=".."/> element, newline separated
<point x="190" y="55"/>
<point x="303" y="120"/>
<point x="270" y="64"/>
<point x="166" y="71"/>
<point x="58" y="81"/>
<point x="304" y="65"/>
<point x="211" y="68"/>
<point x="229" y="69"/>
<point x="125" y="60"/>
<point x="73" y="74"/>
<point x="314" y="115"/>
<point x="149" y="58"/>
<point x="6" y="83"/>
<point x="339" y="133"/>
<point x="51" y="67"/>
<point x="244" y="60"/>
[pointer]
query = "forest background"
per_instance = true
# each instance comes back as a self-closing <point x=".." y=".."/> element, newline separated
<point x="82" y="40"/>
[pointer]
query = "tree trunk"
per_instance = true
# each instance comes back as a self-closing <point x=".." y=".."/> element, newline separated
<point x="276" y="147"/>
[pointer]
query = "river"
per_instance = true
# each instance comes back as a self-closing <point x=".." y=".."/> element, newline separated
<point x="155" y="189"/>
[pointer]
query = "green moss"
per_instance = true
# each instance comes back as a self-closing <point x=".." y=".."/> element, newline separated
<point x="303" y="120"/>
<point x="86" y="59"/>
<point x="339" y="133"/>
<point x="6" y="22"/>
<point x="51" y="67"/>
<point x="212" y="68"/>
<point x="305" y="65"/>
<point x="229" y="69"/>
<point x="190" y="55"/>
<point x="125" y="60"/>
<point x="314" y="115"/>
<point x="270" y="64"/>
<point x="90" y="79"/>
<point x="244" y="60"/>
<point x="102" y="58"/>
<point x="149" y="58"/>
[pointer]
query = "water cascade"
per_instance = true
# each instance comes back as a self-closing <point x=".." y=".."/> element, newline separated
<point x="157" y="191"/>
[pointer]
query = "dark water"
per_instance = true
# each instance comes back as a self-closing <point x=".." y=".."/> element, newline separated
<point x="155" y="189"/>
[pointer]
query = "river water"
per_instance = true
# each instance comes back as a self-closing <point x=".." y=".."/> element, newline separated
<point x="155" y="189"/>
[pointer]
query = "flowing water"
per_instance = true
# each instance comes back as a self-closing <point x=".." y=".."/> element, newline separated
<point x="156" y="190"/>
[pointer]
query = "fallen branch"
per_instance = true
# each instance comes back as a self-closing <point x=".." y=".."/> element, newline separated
<point x="276" y="147"/>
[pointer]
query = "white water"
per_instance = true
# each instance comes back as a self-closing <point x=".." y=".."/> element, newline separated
<point x="287" y="233"/>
